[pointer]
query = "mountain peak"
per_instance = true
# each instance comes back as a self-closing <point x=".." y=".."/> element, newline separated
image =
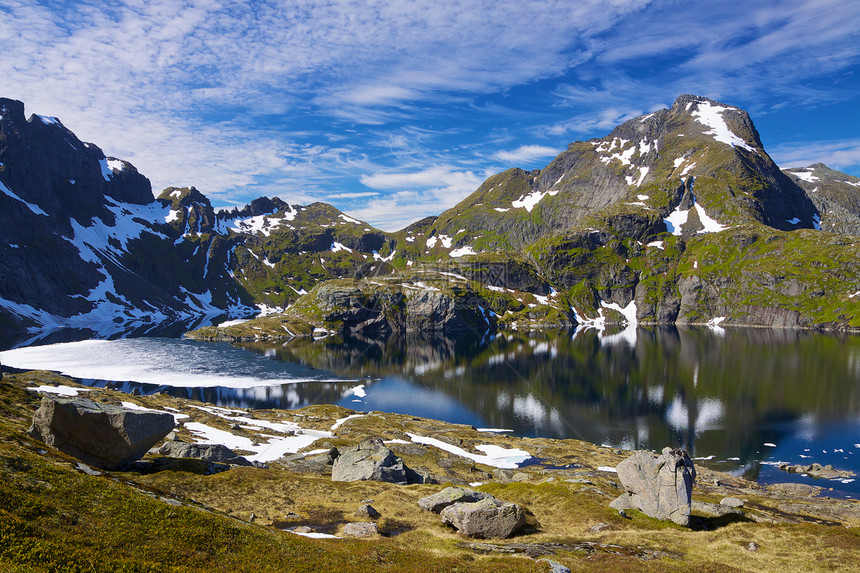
<point x="725" y="123"/>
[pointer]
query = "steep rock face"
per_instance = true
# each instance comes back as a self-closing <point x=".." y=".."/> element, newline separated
<point x="399" y="305"/>
<point x="835" y="195"/>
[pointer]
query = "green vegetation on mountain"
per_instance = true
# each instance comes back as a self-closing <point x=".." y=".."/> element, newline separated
<point x="680" y="211"/>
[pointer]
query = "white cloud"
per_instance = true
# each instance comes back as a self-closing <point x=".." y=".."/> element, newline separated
<point x="357" y="195"/>
<point x="442" y="177"/>
<point x="841" y="155"/>
<point x="417" y="194"/>
<point x="251" y="98"/>
<point x="525" y="153"/>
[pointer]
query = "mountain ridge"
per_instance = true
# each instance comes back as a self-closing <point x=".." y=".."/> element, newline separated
<point x="610" y="222"/>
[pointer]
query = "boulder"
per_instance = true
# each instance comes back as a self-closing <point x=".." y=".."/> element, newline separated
<point x="367" y="510"/>
<point x="732" y="502"/>
<point x="658" y="485"/>
<point x="485" y="519"/>
<point x="449" y="496"/>
<point x="369" y="460"/>
<point x="361" y="529"/>
<point x="218" y="453"/>
<point x="102" y="435"/>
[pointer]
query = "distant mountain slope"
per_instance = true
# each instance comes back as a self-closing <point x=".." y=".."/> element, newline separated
<point x="648" y="165"/>
<point x="835" y="195"/>
<point x="675" y="217"/>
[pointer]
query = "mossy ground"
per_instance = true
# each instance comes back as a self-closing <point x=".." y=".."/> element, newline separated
<point x="56" y="518"/>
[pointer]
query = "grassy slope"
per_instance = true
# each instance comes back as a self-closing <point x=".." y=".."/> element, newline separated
<point x="54" y="518"/>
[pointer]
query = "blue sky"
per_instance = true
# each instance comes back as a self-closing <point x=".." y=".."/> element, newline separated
<point x="393" y="111"/>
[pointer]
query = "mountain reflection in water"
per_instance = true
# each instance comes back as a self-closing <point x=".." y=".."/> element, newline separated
<point x="721" y="393"/>
<point x="745" y="398"/>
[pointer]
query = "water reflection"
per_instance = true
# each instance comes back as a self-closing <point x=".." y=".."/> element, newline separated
<point x="743" y="396"/>
<point x="16" y="338"/>
<point x="720" y="394"/>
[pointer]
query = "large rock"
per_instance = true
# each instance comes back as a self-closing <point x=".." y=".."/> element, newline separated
<point x="361" y="529"/>
<point x="485" y="519"/>
<point x="209" y="452"/>
<point x="658" y="485"/>
<point x="369" y="460"/>
<point x="102" y="435"/>
<point x="449" y="496"/>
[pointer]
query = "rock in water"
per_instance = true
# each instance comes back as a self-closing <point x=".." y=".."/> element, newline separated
<point x="485" y="519"/>
<point x="370" y="460"/>
<point x="658" y="485"/>
<point x="102" y="435"/>
<point x="449" y="496"/>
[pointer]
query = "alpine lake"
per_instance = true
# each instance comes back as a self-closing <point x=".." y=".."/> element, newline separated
<point x="740" y="400"/>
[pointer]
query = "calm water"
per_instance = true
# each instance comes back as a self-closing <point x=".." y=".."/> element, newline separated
<point x="745" y="398"/>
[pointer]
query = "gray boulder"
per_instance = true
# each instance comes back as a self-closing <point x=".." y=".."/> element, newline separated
<point x="658" y="485"/>
<point x="488" y="518"/>
<point x="449" y="496"/>
<point x="102" y="435"/>
<point x="370" y="460"/>
<point x="218" y="453"/>
<point x="361" y="529"/>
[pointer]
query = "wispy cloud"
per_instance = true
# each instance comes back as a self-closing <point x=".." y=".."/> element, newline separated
<point x="525" y="153"/>
<point x="323" y="99"/>
<point x="842" y="155"/>
<point x="443" y="177"/>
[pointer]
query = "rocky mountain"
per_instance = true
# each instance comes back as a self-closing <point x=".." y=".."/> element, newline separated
<point x="675" y="217"/>
<point x="836" y="197"/>
<point x="84" y="244"/>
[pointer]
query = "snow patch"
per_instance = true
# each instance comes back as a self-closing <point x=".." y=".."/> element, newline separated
<point x="349" y="219"/>
<point x="494" y="456"/>
<point x="335" y="247"/>
<point x="378" y="257"/>
<point x="59" y="390"/>
<point x="276" y="446"/>
<point x="34" y="208"/>
<point x="462" y="251"/>
<point x="678" y="218"/>
<point x="711" y="116"/>
<point x="529" y="201"/>
<point x="805" y="176"/>
<point x="236" y="322"/>
<point x="338" y="423"/>
<point x="714" y="325"/>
